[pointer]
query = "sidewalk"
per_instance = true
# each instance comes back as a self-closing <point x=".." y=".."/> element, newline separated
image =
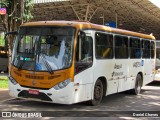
<point x="4" y="94"/>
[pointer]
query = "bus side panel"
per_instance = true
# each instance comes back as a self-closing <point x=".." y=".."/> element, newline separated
<point x="120" y="73"/>
<point x="105" y="68"/>
<point x="125" y="81"/>
<point x="148" y="71"/>
<point x="83" y="83"/>
<point x="135" y="66"/>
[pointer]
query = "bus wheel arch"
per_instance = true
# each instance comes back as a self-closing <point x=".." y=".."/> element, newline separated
<point x="104" y="82"/>
<point x="141" y="78"/>
<point x="99" y="91"/>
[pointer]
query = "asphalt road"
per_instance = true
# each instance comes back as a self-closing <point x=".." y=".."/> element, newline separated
<point x="120" y="105"/>
<point x="3" y="74"/>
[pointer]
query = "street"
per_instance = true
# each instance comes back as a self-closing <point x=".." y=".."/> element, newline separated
<point x="148" y="100"/>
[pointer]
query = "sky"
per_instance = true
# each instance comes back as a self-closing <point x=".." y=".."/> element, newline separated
<point x="156" y="2"/>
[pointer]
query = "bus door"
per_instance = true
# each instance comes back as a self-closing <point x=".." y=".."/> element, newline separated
<point x="83" y="65"/>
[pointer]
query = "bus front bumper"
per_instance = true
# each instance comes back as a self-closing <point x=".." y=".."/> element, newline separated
<point x="61" y="96"/>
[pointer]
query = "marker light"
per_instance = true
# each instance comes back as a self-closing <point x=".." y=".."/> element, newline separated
<point x="12" y="80"/>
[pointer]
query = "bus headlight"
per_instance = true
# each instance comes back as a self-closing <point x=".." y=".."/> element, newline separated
<point x="12" y="80"/>
<point x="62" y="84"/>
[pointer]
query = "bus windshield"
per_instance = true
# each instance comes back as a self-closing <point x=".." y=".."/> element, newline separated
<point x="43" y="48"/>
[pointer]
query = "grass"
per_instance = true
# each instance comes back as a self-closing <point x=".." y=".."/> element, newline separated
<point x="3" y="82"/>
<point x="2" y="42"/>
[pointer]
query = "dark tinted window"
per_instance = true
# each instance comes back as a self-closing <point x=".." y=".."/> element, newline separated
<point x="152" y="49"/>
<point x="84" y="54"/>
<point x="121" y="47"/>
<point x="135" y="49"/>
<point x="104" y="46"/>
<point x="146" y="48"/>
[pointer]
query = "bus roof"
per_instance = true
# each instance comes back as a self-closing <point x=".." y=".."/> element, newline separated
<point x="88" y="25"/>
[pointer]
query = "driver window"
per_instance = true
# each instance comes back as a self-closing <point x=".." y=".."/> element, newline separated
<point x="84" y="54"/>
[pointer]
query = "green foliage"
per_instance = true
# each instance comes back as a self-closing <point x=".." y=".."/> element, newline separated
<point x="28" y="5"/>
<point x="3" y="83"/>
<point x="4" y="3"/>
<point x="2" y="42"/>
<point x="28" y="39"/>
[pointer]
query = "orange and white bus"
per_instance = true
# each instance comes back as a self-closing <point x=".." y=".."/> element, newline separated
<point x="69" y="62"/>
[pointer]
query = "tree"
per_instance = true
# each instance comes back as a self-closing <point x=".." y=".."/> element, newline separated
<point x="18" y="11"/>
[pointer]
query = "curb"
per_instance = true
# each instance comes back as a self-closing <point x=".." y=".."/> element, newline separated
<point x="3" y="89"/>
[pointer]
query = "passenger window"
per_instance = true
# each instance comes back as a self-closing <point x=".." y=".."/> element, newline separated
<point x="146" y="48"/>
<point x="121" y="47"/>
<point x="152" y="49"/>
<point x="104" y="46"/>
<point x="135" y="49"/>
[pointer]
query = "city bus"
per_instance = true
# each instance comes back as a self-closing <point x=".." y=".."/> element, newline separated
<point x="3" y="60"/>
<point x="68" y="62"/>
<point x="157" y="70"/>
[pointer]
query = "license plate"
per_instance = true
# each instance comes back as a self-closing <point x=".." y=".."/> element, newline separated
<point x="34" y="92"/>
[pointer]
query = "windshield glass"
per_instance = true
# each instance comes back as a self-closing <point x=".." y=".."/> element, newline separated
<point x="43" y="48"/>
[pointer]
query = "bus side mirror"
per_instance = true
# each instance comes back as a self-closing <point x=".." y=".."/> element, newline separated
<point x="6" y="40"/>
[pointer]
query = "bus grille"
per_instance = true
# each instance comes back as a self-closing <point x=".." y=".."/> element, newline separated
<point x="53" y="77"/>
<point x="34" y="77"/>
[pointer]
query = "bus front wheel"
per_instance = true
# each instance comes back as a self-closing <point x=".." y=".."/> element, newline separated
<point x="98" y="93"/>
<point x="138" y="85"/>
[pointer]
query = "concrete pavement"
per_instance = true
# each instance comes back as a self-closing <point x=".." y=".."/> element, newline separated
<point x="4" y="95"/>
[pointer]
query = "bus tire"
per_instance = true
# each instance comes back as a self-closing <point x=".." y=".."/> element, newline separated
<point x="138" y="85"/>
<point x="98" y="93"/>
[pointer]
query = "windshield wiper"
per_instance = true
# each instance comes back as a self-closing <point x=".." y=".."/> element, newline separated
<point x="48" y="66"/>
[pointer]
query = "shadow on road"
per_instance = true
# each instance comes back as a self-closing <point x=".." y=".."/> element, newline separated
<point x="111" y="104"/>
<point x="154" y="83"/>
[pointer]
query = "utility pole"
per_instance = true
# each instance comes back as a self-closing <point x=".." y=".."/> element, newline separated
<point x="116" y="21"/>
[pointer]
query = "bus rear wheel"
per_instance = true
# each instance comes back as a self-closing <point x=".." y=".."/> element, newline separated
<point x="98" y="93"/>
<point x="138" y="85"/>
